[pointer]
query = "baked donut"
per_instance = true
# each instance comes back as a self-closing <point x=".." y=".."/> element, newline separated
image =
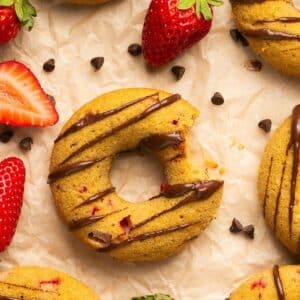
<point x="278" y="182"/>
<point x="24" y="283"/>
<point x="87" y="1"/>
<point x="272" y="28"/>
<point x="121" y="121"/>
<point x="282" y="283"/>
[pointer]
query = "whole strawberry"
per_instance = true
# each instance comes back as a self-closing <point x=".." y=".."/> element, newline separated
<point x="13" y="15"/>
<point x="172" y="26"/>
<point x="12" y="178"/>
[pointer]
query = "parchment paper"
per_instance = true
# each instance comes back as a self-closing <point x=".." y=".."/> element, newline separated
<point x="216" y="262"/>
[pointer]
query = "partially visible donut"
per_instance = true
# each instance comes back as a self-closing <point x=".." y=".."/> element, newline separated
<point x="120" y="121"/>
<point x="282" y="283"/>
<point x="278" y="182"/>
<point x="24" y="283"/>
<point x="272" y="28"/>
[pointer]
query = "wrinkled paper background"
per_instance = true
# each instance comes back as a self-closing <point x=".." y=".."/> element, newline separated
<point x="210" y="267"/>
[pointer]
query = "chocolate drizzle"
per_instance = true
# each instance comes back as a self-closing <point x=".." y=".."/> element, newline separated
<point x="153" y="143"/>
<point x="151" y="109"/>
<point x="280" y="188"/>
<point x="295" y="141"/>
<point x="96" y="197"/>
<point x="80" y="223"/>
<point x="158" y="142"/>
<point x="93" y="118"/>
<point x="145" y="236"/>
<point x="269" y="34"/>
<point x="266" y="197"/>
<point x="278" y="283"/>
<point x="201" y="191"/>
<point x="280" y="19"/>
<point x="13" y="285"/>
<point x="66" y="170"/>
<point x="9" y="284"/>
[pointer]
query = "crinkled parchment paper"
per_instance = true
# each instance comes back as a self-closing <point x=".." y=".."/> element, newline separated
<point x="211" y="266"/>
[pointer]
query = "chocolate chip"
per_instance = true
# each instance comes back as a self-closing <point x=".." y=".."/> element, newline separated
<point x="235" y="34"/>
<point x="52" y="99"/>
<point x="253" y="65"/>
<point x="102" y="237"/>
<point x="265" y="125"/>
<point x="178" y="72"/>
<point x="217" y="99"/>
<point x="25" y="144"/>
<point x="6" y="136"/>
<point x="249" y="231"/>
<point x="238" y="37"/>
<point x="236" y="226"/>
<point x="49" y="65"/>
<point x="135" y="49"/>
<point x="97" y="62"/>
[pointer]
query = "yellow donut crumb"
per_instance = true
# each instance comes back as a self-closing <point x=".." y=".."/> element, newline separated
<point x="210" y="164"/>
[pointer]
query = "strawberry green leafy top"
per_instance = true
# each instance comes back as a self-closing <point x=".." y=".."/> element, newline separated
<point x="24" y="11"/>
<point x="154" y="297"/>
<point x="202" y="7"/>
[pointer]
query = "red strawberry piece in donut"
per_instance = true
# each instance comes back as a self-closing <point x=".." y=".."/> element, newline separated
<point x="126" y="224"/>
<point x="260" y="283"/>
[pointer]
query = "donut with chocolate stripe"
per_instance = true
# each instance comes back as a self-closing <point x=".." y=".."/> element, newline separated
<point x="272" y="28"/>
<point x="282" y="283"/>
<point x="126" y="120"/>
<point x="278" y="182"/>
<point x="36" y="283"/>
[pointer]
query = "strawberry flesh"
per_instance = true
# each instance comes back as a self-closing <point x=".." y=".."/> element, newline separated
<point x="12" y="178"/>
<point x="168" y="31"/>
<point x="23" y="102"/>
<point x="126" y="224"/>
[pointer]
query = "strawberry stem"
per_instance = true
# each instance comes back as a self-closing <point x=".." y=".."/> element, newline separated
<point x="205" y="9"/>
<point x="202" y="7"/>
<point x="24" y="11"/>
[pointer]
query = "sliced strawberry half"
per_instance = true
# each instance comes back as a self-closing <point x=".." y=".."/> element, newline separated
<point x="23" y="102"/>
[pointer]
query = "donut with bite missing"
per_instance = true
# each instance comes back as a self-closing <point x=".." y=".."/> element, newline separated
<point x="136" y="119"/>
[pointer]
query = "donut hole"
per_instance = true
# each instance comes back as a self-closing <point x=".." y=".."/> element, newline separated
<point x="296" y="4"/>
<point x="137" y="177"/>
